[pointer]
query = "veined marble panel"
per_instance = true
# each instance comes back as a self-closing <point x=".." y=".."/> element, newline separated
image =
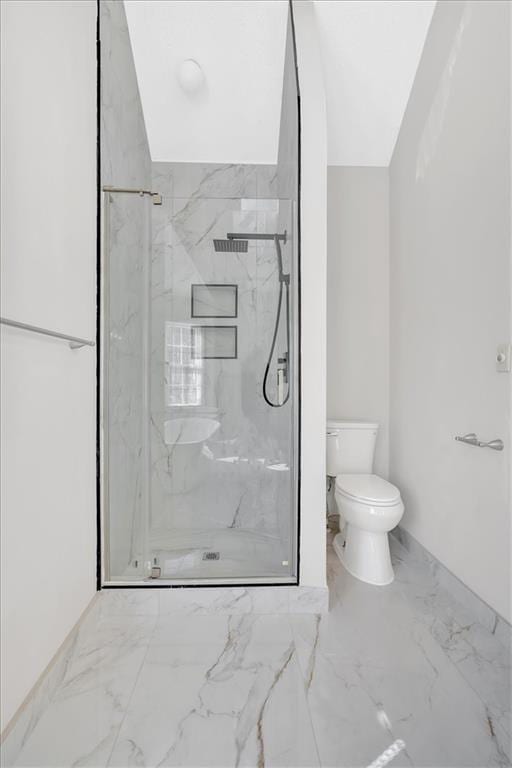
<point x="125" y="162"/>
<point x="235" y="704"/>
<point x="434" y="572"/>
<point x="125" y="157"/>
<point x="212" y="180"/>
<point x="26" y="720"/>
<point x="374" y="672"/>
<point x="114" y="604"/>
<point x="240" y="478"/>
<point x="463" y="625"/>
<point x="149" y="683"/>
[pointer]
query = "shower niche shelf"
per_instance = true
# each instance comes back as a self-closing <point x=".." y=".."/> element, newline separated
<point x="214" y="300"/>
<point x="214" y="342"/>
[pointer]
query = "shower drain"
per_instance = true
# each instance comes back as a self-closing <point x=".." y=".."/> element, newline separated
<point x="211" y="555"/>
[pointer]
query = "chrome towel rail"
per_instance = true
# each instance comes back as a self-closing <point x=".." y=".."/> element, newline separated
<point x="472" y="439"/>
<point x="75" y="342"/>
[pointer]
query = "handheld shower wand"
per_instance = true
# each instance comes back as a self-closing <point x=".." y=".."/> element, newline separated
<point x="284" y="286"/>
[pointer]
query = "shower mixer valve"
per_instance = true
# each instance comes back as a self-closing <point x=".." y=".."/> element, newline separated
<point x="282" y="365"/>
<point x="282" y="376"/>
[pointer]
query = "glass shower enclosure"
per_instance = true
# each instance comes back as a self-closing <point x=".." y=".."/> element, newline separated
<point x="200" y="371"/>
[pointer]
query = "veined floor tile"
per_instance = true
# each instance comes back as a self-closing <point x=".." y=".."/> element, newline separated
<point x="372" y="655"/>
<point x="208" y="688"/>
<point x="236" y="701"/>
<point x="258" y="629"/>
<point x="80" y="723"/>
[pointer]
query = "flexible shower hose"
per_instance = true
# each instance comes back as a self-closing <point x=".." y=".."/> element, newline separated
<point x="284" y="285"/>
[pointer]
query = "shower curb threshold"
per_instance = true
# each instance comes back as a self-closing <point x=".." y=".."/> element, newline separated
<point x="216" y="599"/>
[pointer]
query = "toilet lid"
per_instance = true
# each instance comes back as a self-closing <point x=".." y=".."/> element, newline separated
<point x="369" y="488"/>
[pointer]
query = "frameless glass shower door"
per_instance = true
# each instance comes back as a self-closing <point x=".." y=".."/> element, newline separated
<point x="222" y="459"/>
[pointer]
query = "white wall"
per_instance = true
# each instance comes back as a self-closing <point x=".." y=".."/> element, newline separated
<point x="370" y="52"/>
<point x="358" y="299"/>
<point x="48" y="278"/>
<point x="450" y="297"/>
<point x="313" y="279"/>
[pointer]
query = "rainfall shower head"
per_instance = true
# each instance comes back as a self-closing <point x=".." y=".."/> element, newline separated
<point x="230" y="246"/>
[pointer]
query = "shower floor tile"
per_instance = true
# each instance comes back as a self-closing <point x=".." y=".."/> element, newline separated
<point x="147" y="688"/>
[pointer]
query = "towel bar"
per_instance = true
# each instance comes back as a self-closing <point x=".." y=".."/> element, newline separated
<point x="75" y="342"/>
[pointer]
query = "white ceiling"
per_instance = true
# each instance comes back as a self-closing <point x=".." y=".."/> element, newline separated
<point x="240" y="46"/>
<point x="370" y="51"/>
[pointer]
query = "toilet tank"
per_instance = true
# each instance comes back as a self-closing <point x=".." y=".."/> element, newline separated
<point x="350" y="447"/>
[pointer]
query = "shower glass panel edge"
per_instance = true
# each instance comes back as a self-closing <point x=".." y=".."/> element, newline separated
<point x="124" y="417"/>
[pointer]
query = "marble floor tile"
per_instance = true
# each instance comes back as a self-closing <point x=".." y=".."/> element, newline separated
<point x="80" y="724"/>
<point x="241" y="699"/>
<point x="372" y="654"/>
<point x="99" y="631"/>
<point x="151" y="680"/>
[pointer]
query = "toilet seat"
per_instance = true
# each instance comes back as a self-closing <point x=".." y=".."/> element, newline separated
<point x="368" y="489"/>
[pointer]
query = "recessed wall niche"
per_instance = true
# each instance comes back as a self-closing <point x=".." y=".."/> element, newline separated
<point x="214" y="342"/>
<point x="214" y="300"/>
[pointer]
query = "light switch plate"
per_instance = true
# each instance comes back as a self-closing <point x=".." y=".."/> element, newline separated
<point x="503" y="355"/>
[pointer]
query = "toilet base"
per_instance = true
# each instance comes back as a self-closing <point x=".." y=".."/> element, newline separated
<point x="365" y="555"/>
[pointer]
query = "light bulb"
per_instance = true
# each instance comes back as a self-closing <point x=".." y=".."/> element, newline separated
<point x="190" y="76"/>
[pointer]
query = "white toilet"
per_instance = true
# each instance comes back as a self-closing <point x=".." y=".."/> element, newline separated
<point x="368" y="505"/>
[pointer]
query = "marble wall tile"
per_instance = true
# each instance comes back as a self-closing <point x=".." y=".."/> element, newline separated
<point x="502" y="631"/>
<point x="211" y="180"/>
<point x="240" y="600"/>
<point x="226" y="600"/>
<point x="436" y="572"/>
<point x="125" y="162"/>
<point x="24" y="724"/>
<point x="94" y="693"/>
<point x="229" y="482"/>
<point x="127" y="602"/>
<point x="132" y="612"/>
<point x="125" y="156"/>
<point x="288" y="151"/>
<point x="308" y="599"/>
<point x="461" y="625"/>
